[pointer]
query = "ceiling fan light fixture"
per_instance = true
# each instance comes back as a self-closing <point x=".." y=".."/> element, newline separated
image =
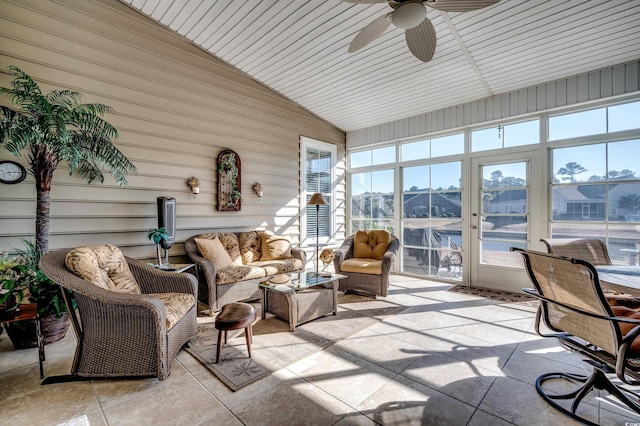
<point x="408" y="15"/>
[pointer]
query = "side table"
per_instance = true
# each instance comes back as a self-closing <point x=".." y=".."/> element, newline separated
<point x="174" y="267"/>
<point x="29" y="311"/>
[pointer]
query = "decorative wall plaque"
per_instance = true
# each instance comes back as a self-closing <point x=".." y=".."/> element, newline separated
<point x="229" y="181"/>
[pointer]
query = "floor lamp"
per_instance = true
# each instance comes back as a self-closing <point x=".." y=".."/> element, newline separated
<point x="317" y="200"/>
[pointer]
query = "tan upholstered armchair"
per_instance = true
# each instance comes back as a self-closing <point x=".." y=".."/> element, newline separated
<point x="131" y="319"/>
<point x="574" y="308"/>
<point x="366" y="259"/>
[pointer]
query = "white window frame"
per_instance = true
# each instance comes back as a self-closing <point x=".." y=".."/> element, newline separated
<point x="306" y="143"/>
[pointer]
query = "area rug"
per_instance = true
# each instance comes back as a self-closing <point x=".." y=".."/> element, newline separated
<point x="503" y="296"/>
<point x="275" y="347"/>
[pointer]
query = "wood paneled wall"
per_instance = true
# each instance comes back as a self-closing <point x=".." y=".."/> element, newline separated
<point x="619" y="80"/>
<point x="176" y="108"/>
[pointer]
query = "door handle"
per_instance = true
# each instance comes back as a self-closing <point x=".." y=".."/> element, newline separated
<point x="474" y="227"/>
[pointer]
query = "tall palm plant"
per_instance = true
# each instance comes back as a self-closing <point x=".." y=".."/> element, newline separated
<point x="57" y="128"/>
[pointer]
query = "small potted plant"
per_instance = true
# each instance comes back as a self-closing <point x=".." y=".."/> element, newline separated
<point x="157" y="235"/>
<point x="235" y="196"/>
<point x="47" y="294"/>
<point x="12" y="284"/>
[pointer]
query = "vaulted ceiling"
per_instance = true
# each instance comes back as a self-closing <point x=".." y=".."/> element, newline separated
<point x="299" y="49"/>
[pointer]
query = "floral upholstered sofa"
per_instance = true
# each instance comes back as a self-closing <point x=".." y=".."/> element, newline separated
<point x="226" y="261"/>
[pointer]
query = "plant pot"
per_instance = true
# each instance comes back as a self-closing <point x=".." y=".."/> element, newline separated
<point x="6" y="310"/>
<point x="23" y="334"/>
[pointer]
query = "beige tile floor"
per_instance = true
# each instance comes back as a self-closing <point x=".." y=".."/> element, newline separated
<point x="449" y="359"/>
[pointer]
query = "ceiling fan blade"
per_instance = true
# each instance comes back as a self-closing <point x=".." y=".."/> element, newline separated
<point x="369" y="33"/>
<point x="421" y="40"/>
<point x="364" y="1"/>
<point x="460" y="5"/>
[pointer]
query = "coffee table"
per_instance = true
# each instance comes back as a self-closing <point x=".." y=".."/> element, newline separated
<point x="299" y="297"/>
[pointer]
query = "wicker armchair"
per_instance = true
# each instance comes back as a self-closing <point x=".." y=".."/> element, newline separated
<point x="120" y="334"/>
<point x="372" y="283"/>
<point x="573" y="306"/>
<point x="593" y="251"/>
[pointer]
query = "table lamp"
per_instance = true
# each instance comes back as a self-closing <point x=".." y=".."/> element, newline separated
<point x="317" y="199"/>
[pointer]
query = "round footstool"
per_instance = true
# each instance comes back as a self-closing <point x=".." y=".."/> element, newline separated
<point x="235" y="316"/>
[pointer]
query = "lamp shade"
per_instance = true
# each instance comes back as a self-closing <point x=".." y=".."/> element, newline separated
<point x="408" y="15"/>
<point x="318" y="199"/>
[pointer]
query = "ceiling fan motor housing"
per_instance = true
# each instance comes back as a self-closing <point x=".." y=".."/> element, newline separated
<point x="408" y="15"/>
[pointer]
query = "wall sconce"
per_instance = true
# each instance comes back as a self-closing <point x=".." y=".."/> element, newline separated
<point x="194" y="185"/>
<point x="257" y="188"/>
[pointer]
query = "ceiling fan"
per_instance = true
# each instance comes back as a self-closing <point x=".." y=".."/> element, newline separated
<point x="411" y="15"/>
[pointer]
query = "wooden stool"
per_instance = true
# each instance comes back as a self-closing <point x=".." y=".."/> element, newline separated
<point x="235" y="316"/>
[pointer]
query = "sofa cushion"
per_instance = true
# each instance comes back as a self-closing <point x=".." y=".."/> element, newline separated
<point x="214" y="251"/>
<point x="371" y="243"/>
<point x="362" y="266"/>
<point x="229" y="241"/>
<point x="103" y="266"/>
<point x="234" y="274"/>
<point x="275" y="247"/>
<point x="273" y="267"/>
<point x="176" y="305"/>
<point x="250" y="246"/>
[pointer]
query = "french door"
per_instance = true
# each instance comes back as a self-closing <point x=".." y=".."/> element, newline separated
<point x="507" y="210"/>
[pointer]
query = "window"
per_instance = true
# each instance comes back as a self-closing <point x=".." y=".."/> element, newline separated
<point x="430" y="148"/>
<point x="596" y="194"/>
<point x="595" y="121"/>
<point x="372" y="200"/>
<point x="432" y="220"/>
<point x="372" y="157"/>
<point x="318" y="161"/>
<point x="506" y="136"/>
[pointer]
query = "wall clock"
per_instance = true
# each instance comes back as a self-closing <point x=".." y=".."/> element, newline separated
<point x="12" y="172"/>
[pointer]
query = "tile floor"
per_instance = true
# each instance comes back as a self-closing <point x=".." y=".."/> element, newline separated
<point x="449" y="358"/>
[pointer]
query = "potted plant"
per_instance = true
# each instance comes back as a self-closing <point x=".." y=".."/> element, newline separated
<point x="157" y="235"/>
<point x="235" y="196"/>
<point x="46" y="294"/>
<point x="12" y="275"/>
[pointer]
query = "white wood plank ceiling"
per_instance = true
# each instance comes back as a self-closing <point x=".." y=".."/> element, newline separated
<point x="299" y="49"/>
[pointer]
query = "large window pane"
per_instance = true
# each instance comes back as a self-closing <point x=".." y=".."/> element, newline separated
<point x="447" y="145"/>
<point x="512" y="175"/>
<point x="446" y="176"/>
<point x="624" y="244"/>
<point x="485" y="139"/>
<point x="415" y="150"/>
<point x="583" y="123"/>
<point x="416" y="178"/>
<point x="624" y="202"/>
<point x="580" y="163"/>
<point x="384" y="155"/>
<point x="525" y="133"/>
<point x="382" y="182"/>
<point x="360" y="159"/>
<point x="360" y="183"/>
<point x="624" y="159"/>
<point x="624" y="117"/>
